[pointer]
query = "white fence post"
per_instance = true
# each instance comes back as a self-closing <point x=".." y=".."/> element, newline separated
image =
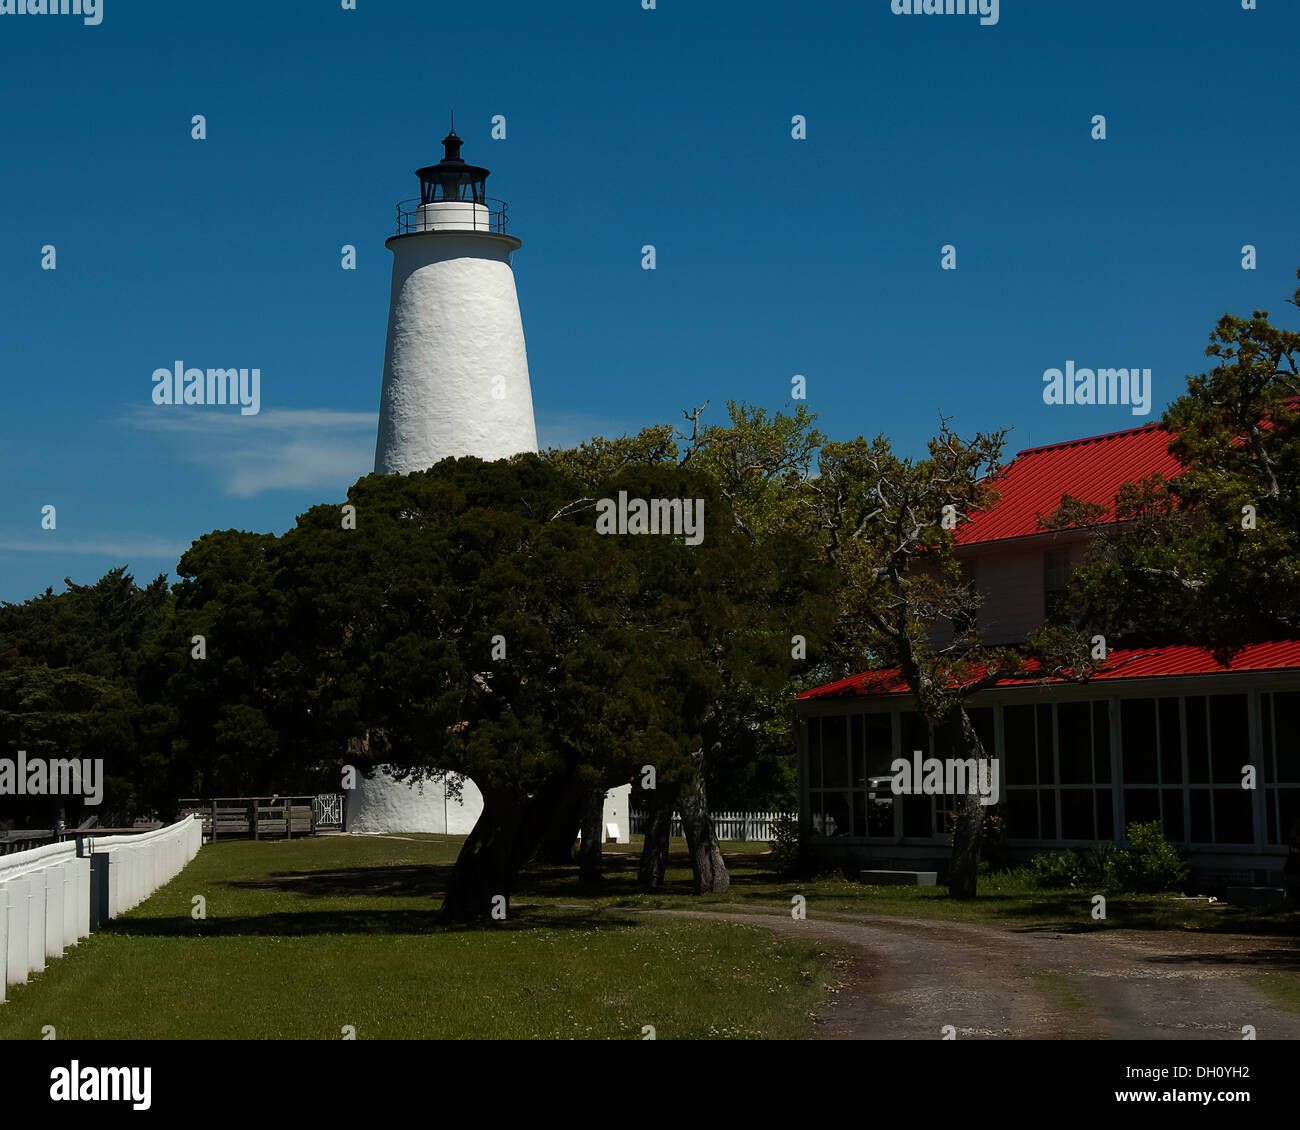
<point x="36" y="923"/>
<point x="45" y="892"/>
<point x="69" y="870"/>
<point x="54" y="910"/>
<point x="16" y="969"/>
<point x="4" y="940"/>
<point x="83" y="896"/>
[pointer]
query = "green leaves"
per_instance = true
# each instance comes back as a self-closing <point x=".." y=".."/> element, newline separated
<point x="1212" y="556"/>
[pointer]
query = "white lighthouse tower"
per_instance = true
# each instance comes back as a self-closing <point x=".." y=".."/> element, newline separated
<point x="455" y="368"/>
<point x="455" y="383"/>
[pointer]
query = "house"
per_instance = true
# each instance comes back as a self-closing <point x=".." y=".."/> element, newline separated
<point x="1160" y="733"/>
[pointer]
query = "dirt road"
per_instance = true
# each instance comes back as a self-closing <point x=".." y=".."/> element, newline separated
<point x="908" y="978"/>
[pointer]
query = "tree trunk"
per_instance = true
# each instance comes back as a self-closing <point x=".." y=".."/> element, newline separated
<point x="654" y="852"/>
<point x="968" y="835"/>
<point x="485" y="867"/>
<point x="710" y="870"/>
<point x="557" y="842"/>
<point x="593" y="834"/>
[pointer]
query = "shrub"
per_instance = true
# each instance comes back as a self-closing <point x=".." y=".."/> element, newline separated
<point x="785" y="843"/>
<point x="1152" y="865"/>
<point x="1059" y="869"/>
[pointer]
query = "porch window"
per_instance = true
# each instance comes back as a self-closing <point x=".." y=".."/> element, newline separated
<point x="1281" y="776"/>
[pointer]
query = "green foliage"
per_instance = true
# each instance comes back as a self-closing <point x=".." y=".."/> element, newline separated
<point x="67" y="663"/>
<point x="1055" y="869"/>
<point x="1213" y="555"/>
<point x="760" y="467"/>
<point x="1152" y="865"/>
<point x="785" y="844"/>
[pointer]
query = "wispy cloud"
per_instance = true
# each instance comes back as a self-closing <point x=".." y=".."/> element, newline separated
<point x="278" y="449"/>
<point x="116" y="547"/>
<point x="310" y="449"/>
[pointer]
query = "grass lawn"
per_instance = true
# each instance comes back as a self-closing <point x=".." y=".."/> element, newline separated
<point x="303" y="938"/>
<point x="1009" y="899"/>
<point x="306" y="937"/>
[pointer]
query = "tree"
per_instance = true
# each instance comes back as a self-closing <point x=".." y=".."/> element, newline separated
<point x="66" y="684"/>
<point x="1212" y="556"/>
<point x="758" y="466"/>
<point x="890" y="525"/>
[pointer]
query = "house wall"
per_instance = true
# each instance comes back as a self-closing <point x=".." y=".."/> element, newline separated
<point x="1009" y="578"/>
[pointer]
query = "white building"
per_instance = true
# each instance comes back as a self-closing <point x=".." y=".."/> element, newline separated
<point x="455" y="384"/>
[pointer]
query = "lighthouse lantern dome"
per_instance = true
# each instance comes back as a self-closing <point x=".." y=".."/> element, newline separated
<point x="451" y="178"/>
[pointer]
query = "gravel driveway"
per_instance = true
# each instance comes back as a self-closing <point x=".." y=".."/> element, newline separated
<point x="908" y="978"/>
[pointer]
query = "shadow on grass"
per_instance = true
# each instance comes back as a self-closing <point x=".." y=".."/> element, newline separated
<point x="420" y="881"/>
<point x="301" y="924"/>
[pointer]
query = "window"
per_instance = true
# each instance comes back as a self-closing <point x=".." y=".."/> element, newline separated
<point x="1281" y="777"/>
<point x="1182" y="762"/>
<point x="918" y="810"/>
<point x="1223" y="747"/>
<point x="1057" y="771"/>
<point x="848" y="758"/>
<point x="1030" y="749"/>
<point x="1151" y="756"/>
<point x="1056" y="581"/>
<point x="829" y="797"/>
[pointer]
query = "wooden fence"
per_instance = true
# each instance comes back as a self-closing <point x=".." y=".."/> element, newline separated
<point x="24" y="839"/>
<point x="743" y="826"/>
<point x="254" y="816"/>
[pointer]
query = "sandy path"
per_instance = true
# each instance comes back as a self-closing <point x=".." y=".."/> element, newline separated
<point x="909" y="978"/>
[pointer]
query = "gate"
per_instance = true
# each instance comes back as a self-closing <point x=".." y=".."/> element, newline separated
<point x="328" y="809"/>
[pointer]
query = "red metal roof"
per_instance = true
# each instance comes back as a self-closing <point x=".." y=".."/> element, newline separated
<point x="1090" y="469"/>
<point x="1128" y="663"/>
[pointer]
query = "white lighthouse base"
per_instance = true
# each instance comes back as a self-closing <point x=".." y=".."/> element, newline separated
<point x="382" y="803"/>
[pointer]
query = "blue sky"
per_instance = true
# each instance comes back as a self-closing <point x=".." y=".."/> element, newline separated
<point x="624" y="127"/>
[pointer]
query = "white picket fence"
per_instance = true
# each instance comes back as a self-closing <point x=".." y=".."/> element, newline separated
<point x="742" y="826"/>
<point x="45" y="893"/>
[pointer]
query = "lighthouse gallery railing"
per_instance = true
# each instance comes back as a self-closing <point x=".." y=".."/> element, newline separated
<point x="409" y="219"/>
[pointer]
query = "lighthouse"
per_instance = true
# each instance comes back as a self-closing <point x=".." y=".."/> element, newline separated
<point x="455" y="367"/>
<point x="455" y="384"/>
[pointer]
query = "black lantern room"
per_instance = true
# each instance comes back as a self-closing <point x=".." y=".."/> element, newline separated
<point x="451" y="178"/>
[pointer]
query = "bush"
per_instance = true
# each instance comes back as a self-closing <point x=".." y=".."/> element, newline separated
<point x="1059" y="869"/>
<point x="1152" y="865"/>
<point x="785" y="843"/>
